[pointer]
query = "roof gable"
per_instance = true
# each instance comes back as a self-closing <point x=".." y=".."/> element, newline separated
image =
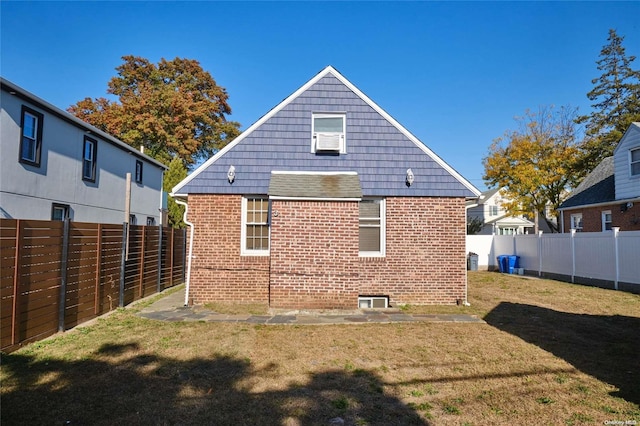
<point x="379" y="149"/>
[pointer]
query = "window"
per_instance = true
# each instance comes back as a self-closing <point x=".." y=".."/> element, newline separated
<point x="151" y="221"/>
<point x="576" y="222"/>
<point x="31" y="137"/>
<point x="372" y="227"/>
<point x="493" y="210"/>
<point x="89" y="159"/>
<point x="508" y="231"/>
<point x="138" y="171"/>
<point x="133" y="220"/>
<point x="328" y="133"/>
<point x="59" y="211"/>
<point x="372" y="302"/>
<point x="606" y="220"/>
<point x="255" y="226"/>
<point x="634" y="158"/>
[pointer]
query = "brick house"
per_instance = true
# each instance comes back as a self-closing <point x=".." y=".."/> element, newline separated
<point x="610" y="195"/>
<point x="327" y="202"/>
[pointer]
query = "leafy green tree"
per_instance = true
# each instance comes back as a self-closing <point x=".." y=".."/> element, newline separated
<point x="173" y="109"/>
<point x="616" y="94"/>
<point x="474" y="225"/>
<point x="536" y="164"/>
<point x="176" y="172"/>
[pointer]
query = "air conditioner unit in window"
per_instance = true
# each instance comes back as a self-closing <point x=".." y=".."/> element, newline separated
<point x="328" y="142"/>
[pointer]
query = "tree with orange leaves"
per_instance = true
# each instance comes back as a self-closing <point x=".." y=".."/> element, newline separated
<point x="537" y="164"/>
<point x="173" y="109"/>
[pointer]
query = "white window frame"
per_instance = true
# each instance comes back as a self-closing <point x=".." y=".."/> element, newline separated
<point x="243" y="230"/>
<point x="493" y="210"/>
<point x="382" y="226"/>
<point x="634" y="163"/>
<point x="343" y="134"/>
<point x="56" y="207"/>
<point x="605" y="222"/>
<point x="576" y="222"/>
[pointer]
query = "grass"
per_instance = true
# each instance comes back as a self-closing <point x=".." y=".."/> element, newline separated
<point x="550" y="353"/>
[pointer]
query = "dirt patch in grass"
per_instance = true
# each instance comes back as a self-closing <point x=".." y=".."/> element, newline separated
<point x="550" y="353"/>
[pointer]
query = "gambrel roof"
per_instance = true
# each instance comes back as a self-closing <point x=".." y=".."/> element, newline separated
<point x="378" y="149"/>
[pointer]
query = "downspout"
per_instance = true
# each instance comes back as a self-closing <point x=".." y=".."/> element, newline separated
<point x="189" y="256"/>
<point x="466" y="272"/>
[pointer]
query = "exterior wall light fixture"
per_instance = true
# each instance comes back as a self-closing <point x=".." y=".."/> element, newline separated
<point x="410" y="178"/>
<point x="231" y="174"/>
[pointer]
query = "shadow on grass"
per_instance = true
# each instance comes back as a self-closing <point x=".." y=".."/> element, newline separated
<point x="605" y="347"/>
<point x="119" y="385"/>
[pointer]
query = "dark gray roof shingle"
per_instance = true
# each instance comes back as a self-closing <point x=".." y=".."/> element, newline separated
<point x="597" y="187"/>
<point x="316" y="185"/>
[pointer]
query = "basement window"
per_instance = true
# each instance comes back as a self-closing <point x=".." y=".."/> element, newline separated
<point x="373" y="302"/>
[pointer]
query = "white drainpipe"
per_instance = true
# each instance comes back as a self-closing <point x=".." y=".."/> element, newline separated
<point x="189" y="256"/>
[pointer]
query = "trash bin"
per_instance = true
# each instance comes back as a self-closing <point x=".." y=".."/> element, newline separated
<point x="514" y="264"/>
<point x="472" y="261"/>
<point x="503" y="263"/>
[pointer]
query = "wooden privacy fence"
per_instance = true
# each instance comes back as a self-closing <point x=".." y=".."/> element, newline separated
<point x="56" y="275"/>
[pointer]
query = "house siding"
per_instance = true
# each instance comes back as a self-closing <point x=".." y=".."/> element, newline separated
<point x="28" y="191"/>
<point x="314" y="261"/>
<point x="376" y="150"/>
<point x="628" y="220"/>
<point x="627" y="186"/>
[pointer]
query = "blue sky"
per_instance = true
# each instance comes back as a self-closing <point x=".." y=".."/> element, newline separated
<point x="455" y="74"/>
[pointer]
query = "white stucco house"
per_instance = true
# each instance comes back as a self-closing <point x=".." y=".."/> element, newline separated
<point x="55" y="166"/>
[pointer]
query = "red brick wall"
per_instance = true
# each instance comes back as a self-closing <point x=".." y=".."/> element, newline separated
<point x="314" y="258"/>
<point x="425" y="260"/>
<point x="314" y="254"/>
<point x="218" y="272"/>
<point x="628" y="220"/>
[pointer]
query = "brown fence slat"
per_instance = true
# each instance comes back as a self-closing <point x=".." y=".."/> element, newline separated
<point x="30" y="280"/>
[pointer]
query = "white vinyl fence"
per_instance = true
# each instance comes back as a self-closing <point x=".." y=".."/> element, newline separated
<point x="610" y="259"/>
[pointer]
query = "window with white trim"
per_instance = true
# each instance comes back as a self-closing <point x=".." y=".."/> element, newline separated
<point x="372" y="227"/>
<point x="576" y="222"/>
<point x="493" y="210"/>
<point x="31" y="137"/>
<point x="634" y="161"/>
<point x="255" y="226"/>
<point x="89" y="159"/>
<point x="607" y="220"/>
<point x="328" y="132"/>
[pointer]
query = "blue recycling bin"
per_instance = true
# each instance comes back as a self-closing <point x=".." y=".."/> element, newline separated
<point x="503" y="263"/>
<point x="514" y="263"/>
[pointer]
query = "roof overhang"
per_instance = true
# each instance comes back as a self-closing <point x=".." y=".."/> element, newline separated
<point x="316" y="186"/>
<point x="606" y="203"/>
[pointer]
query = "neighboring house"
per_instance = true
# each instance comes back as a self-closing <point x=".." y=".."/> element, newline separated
<point x="327" y="202"/>
<point x="610" y="195"/>
<point x="488" y="207"/>
<point x="55" y="166"/>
